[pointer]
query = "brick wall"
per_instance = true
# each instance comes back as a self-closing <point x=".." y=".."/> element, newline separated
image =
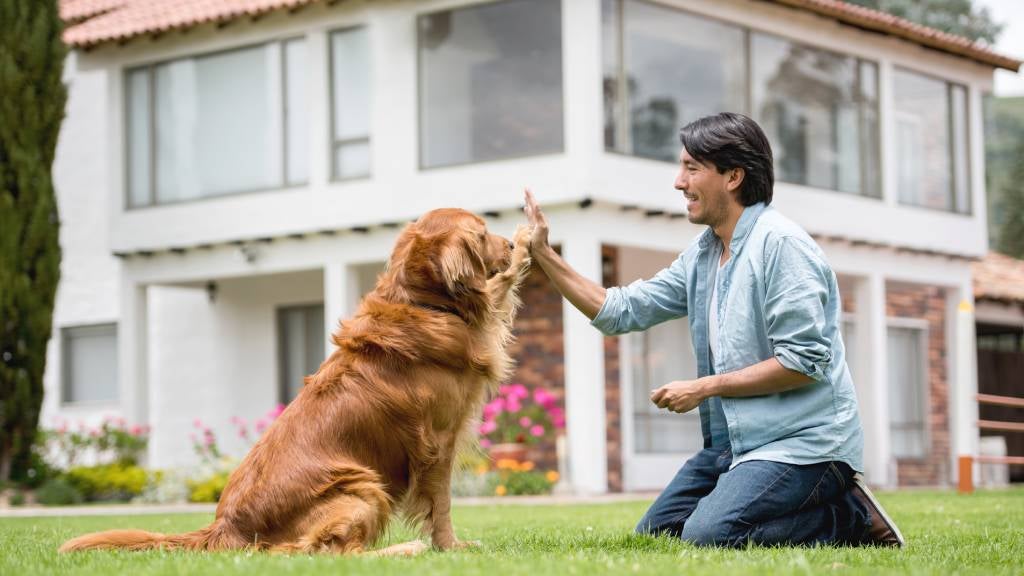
<point x="538" y="348"/>
<point x="612" y="403"/>
<point x="928" y="303"/>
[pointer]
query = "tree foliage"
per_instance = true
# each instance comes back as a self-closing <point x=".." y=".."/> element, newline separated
<point x="32" y="98"/>
<point x="958" y="17"/>
<point x="1011" y="232"/>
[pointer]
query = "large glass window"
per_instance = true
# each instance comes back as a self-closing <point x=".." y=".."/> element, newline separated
<point x="350" y="106"/>
<point x="908" y="391"/>
<point x="664" y="68"/>
<point x="301" y="346"/>
<point x="218" y="124"/>
<point x="930" y="117"/>
<point x="490" y="82"/>
<point x="90" y="364"/>
<point x="660" y="355"/>
<point x="820" y="113"/>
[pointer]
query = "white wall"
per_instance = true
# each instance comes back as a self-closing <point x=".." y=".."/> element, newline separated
<point x="88" y="289"/>
<point x="215" y="360"/>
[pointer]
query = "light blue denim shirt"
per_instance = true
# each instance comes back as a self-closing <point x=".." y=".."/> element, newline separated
<point x="778" y="298"/>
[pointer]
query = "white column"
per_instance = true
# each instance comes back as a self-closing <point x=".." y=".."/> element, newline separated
<point x="582" y="74"/>
<point x="336" y="299"/>
<point x="963" y="376"/>
<point x="584" y="378"/>
<point x="872" y="377"/>
<point x="133" y="351"/>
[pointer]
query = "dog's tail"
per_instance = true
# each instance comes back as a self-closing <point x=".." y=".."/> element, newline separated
<point x="209" y="538"/>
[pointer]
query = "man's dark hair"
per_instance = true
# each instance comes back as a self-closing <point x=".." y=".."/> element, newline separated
<point x="728" y="141"/>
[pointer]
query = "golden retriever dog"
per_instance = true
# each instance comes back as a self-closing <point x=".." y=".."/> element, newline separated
<point x="376" y="428"/>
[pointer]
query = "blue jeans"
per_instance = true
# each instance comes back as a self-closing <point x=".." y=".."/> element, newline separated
<point x="758" y="501"/>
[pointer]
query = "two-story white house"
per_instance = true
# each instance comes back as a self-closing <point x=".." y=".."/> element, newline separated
<point x="232" y="175"/>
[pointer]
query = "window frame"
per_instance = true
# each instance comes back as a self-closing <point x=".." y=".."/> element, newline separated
<point x="334" y="144"/>
<point x="923" y="329"/>
<point x="66" y="334"/>
<point x="968" y="168"/>
<point x="279" y="316"/>
<point x="150" y="70"/>
<point x="420" y="116"/>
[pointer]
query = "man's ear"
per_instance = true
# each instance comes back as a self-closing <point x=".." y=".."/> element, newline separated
<point x="461" y="267"/>
<point x="735" y="179"/>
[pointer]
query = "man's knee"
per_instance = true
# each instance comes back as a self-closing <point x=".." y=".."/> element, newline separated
<point x="701" y="531"/>
<point x="656" y="526"/>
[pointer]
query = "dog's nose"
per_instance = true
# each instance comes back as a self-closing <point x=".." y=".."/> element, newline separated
<point x="511" y="245"/>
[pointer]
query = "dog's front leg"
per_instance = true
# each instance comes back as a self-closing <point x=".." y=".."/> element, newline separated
<point x="502" y="287"/>
<point x="436" y="486"/>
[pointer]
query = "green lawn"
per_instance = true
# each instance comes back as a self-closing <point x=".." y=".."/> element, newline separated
<point x="981" y="533"/>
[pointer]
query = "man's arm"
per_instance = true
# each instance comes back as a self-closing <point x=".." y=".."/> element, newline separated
<point x="767" y="377"/>
<point x="587" y="296"/>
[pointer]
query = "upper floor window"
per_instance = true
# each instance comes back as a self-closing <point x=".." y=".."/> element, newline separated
<point x="350" y="104"/>
<point x="930" y="117"/>
<point x="89" y="355"/>
<point x="657" y="79"/>
<point x="819" y="110"/>
<point x="217" y="124"/>
<point x="490" y="82"/>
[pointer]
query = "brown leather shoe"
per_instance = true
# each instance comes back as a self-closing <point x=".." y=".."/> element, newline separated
<point x="883" y="531"/>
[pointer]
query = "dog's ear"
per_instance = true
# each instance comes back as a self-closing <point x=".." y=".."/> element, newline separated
<point x="461" y="266"/>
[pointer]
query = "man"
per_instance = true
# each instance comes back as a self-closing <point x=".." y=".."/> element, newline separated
<point x="782" y="436"/>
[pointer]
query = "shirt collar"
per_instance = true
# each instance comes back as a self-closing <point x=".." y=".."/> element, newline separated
<point x="743" y="226"/>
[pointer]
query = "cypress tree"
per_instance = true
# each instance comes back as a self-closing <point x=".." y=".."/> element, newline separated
<point x="32" y="98"/>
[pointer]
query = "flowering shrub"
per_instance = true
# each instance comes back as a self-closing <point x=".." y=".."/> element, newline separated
<point x="516" y="415"/>
<point x="112" y="442"/>
<point x="204" y="440"/>
<point x="514" y="478"/>
<point x="212" y="476"/>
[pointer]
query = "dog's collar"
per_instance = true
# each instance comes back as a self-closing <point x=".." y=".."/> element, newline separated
<point x="441" y="309"/>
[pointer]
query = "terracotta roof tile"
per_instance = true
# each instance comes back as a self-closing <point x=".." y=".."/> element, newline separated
<point x="887" y="23"/>
<point x="94" y="22"/>
<point x="999" y="277"/>
<point x="124" y="19"/>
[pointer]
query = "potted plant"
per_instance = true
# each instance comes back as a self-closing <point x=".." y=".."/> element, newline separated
<point x="517" y="418"/>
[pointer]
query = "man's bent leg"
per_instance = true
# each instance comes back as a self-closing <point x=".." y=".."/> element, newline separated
<point x="774" y="503"/>
<point x="695" y="480"/>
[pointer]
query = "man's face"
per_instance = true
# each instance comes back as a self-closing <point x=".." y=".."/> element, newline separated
<point x="706" y="191"/>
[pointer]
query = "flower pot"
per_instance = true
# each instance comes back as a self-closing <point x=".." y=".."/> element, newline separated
<point x="509" y="451"/>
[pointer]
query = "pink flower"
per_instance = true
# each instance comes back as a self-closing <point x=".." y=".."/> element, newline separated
<point x="209" y="441"/>
<point x="261" y="425"/>
<point x="520" y="391"/>
<point x="273" y="414"/>
<point x="493" y="408"/>
<point x="525" y="422"/>
<point x="485" y="443"/>
<point x="488" y="427"/>
<point x="197" y="423"/>
<point x="513" y="404"/>
<point x="544" y="398"/>
<point x="537" y="430"/>
<point x="136" y="430"/>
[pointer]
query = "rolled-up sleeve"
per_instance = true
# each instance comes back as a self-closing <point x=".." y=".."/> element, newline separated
<point x="797" y="292"/>
<point x="644" y="303"/>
